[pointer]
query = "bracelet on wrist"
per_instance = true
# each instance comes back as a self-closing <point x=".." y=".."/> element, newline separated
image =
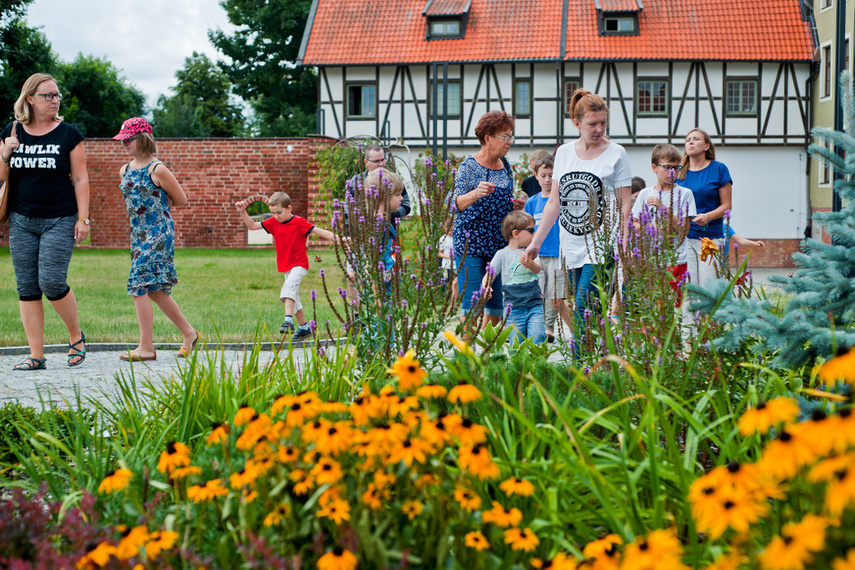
<point x="6" y="160"/>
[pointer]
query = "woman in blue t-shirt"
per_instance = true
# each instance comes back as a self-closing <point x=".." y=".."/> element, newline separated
<point x="712" y="187"/>
<point x="483" y="195"/>
<point x="48" y="186"/>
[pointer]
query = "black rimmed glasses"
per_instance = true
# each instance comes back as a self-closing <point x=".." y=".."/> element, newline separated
<point x="50" y="96"/>
<point x="376" y="161"/>
<point x="529" y="230"/>
<point x="675" y="168"/>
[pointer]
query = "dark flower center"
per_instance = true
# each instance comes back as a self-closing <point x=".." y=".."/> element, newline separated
<point x="338" y="551"/>
<point x="411" y="369"/>
<point x="332" y="431"/>
<point x="761" y="405"/>
<point x="817" y="415"/>
<point x="708" y="491"/>
<point x="408" y="444"/>
<point x="296" y="407"/>
<point x="785" y="437"/>
<point x="643" y="546"/>
<point x="327" y="467"/>
<point x="733" y="467"/>
<point x="729" y="505"/>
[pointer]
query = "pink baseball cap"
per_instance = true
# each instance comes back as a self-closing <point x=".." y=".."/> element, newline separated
<point x="132" y="127"/>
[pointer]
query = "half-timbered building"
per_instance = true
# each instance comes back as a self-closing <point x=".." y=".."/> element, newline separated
<point x="422" y="72"/>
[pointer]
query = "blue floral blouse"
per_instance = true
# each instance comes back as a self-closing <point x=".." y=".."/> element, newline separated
<point x="482" y="221"/>
<point x="152" y="233"/>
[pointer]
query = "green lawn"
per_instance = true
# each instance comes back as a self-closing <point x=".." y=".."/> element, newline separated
<point x="225" y="293"/>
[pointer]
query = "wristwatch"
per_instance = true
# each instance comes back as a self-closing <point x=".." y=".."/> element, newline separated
<point x="86" y="221"/>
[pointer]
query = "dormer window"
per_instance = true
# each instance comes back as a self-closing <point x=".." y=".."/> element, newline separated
<point x="618" y="17"/>
<point x="619" y="24"/>
<point x="446" y="19"/>
<point x="445" y="29"/>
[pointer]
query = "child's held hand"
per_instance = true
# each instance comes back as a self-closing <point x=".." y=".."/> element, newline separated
<point x="655" y="202"/>
<point x="241" y="205"/>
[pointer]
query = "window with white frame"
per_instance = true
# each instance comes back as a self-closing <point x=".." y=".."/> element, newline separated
<point x="570" y="87"/>
<point x="651" y="97"/>
<point x="827" y="73"/>
<point x="522" y="98"/>
<point x="825" y="169"/>
<point x="446" y="28"/>
<point x="455" y="102"/>
<point x="362" y="101"/>
<point x="741" y="97"/>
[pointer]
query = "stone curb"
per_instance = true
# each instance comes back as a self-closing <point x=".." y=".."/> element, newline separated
<point x="123" y="347"/>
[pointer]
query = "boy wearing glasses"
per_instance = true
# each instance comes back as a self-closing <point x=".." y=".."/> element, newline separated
<point x="665" y="198"/>
<point x="520" y="286"/>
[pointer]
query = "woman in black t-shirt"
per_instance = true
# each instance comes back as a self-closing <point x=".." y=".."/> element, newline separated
<point x="45" y="162"/>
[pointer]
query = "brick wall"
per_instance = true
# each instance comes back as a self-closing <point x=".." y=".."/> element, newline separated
<point x="776" y="254"/>
<point x="215" y="173"/>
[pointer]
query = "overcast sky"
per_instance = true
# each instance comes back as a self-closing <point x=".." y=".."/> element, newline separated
<point x="146" y="41"/>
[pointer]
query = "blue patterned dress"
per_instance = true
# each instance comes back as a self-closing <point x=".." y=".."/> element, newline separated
<point x="152" y="233"/>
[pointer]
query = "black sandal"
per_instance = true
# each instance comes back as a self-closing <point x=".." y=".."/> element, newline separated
<point x="80" y="353"/>
<point x="31" y="363"/>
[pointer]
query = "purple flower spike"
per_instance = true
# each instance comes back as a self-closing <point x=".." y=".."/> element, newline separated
<point x="314" y="294"/>
<point x="322" y="272"/>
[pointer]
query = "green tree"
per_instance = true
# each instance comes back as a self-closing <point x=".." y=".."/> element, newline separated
<point x="263" y="50"/>
<point x="96" y="96"/>
<point x="200" y="106"/>
<point x="819" y="315"/>
<point x="23" y="51"/>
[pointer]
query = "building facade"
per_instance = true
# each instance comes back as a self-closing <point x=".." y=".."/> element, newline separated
<point x="422" y="72"/>
<point x="824" y="95"/>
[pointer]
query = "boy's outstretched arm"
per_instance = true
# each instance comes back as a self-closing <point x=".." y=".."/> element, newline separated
<point x="324" y="234"/>
<point x="250" y="223"/>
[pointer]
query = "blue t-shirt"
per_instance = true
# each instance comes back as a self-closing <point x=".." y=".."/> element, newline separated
<point x="705" y="185"/>
<point x="388" y="238"/>
<point x="726" y="249"/>
<point x="482" y="220"/>
<point x="552" y="243"/>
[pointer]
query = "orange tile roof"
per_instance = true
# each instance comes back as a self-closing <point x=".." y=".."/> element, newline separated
<point x="446" y="7"/>
<point x="344" y="32"/>
<point x="619" y="5"/>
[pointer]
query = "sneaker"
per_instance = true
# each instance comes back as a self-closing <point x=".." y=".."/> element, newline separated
<point x="286" y="328"/>
<point x="300" y="334"/>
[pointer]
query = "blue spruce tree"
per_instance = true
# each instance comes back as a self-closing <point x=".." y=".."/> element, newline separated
<point x="819" y="318"/>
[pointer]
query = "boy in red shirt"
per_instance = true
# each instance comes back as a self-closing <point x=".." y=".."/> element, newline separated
<point x="289" y="233"/>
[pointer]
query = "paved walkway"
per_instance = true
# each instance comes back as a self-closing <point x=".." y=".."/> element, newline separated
<point x="102" y="366"/>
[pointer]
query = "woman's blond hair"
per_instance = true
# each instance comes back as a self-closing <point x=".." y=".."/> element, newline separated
<point x="22" y="106"/>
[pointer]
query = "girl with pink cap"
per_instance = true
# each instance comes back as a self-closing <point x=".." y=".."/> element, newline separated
<point x="148" y="188"/>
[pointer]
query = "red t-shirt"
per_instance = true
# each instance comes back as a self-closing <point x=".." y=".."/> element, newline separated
<point x="290" y="240"/>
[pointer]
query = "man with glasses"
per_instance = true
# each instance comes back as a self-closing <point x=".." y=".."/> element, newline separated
<point x="374" y="157"/>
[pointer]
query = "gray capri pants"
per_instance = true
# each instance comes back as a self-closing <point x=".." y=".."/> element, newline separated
<point x="41" y="251"/>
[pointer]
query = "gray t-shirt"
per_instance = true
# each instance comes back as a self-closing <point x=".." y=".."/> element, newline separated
<point x="520" y="287"/>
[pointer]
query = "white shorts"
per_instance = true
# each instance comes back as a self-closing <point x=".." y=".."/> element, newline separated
<point x="552" y="278"/>
<point x="291" y="287"/>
